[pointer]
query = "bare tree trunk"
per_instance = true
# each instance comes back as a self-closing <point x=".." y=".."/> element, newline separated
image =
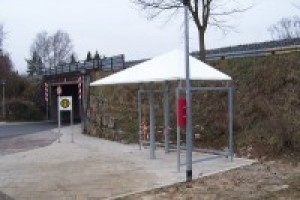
<point x="202" y="52"/>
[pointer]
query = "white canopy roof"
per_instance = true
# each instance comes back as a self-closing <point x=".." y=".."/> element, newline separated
<point x="167" y="67"/>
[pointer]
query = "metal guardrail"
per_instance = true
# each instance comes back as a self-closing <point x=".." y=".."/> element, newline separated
<point x="252" y="53"/>
<point x="105" y="64"/>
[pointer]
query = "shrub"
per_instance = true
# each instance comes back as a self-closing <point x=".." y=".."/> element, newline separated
<point x="22" y="110"/>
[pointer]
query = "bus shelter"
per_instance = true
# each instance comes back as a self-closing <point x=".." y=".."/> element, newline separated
<point x="166" y="68"/>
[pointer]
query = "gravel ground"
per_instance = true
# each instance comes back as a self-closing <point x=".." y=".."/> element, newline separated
<point x="264" y="180"/>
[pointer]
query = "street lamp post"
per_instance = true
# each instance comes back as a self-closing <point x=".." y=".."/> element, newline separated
<point x="3" y="98"/>
<point x="189" y="135"/>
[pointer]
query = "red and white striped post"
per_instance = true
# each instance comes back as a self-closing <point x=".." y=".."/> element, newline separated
<point x="47" y="99"/>
<point x="80" y="96"/>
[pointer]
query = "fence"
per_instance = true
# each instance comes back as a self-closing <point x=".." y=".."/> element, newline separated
<point x="104" y="64"/>
<point x="252" y="53"/>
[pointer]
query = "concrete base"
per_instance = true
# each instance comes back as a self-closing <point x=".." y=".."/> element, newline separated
<point x="95" y="168"/>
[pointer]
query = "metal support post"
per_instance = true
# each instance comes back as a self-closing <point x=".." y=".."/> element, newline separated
<point x="167" y="117"/>
<point x="3" y="100"/>
<point x="81" y="99"/>
<point x="50" y="102"/>
<point x="230" y="121"/>
<point x="189" y="134"/>
<point x="80" y="110"/>
<point x="83" y="106"/>
<point x="178" y="133"/>
<point x="140" y="118"/>
<point x="47" y="110"/>
<point x="72" y="128"/>
<point x="58" y="116"/>
<point x="152" y="125"/>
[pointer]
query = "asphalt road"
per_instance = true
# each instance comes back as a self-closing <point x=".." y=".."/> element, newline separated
<point x="19" y="129"/>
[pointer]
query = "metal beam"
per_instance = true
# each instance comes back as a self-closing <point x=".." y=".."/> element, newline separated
<point x="153" y="91"/>
<point x="152" y="125"/>
<point x="166" y="117"/>
<point x="204" y="159"/>
<point x="178" y="133"/>
<point x="140" y="118"/>
<point x="213" y="89"/>
<point x="230" y="121"/>
<point x="64" y="83"/>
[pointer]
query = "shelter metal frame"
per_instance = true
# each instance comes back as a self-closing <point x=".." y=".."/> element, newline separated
<point x="217" y="154"/>
<point x="227" y="153"/>
<point x="152" y="118"/>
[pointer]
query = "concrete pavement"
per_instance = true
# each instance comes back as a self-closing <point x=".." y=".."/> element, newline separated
<point x="93" y="168"/>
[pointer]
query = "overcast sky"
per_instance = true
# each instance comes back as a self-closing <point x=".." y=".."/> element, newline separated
<point x="118" y="27"/>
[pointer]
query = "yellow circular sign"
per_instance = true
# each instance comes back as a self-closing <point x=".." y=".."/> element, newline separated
<point x="65" y="103"/>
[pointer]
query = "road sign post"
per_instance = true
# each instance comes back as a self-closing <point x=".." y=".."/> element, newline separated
<point x="65" y="104"/>
<point x="47" y="100"/>
<point x="59" y="91"/>
<point x="80" y="97"/>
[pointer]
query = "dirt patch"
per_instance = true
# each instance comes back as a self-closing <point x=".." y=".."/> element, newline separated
<point x="265" y="180"/>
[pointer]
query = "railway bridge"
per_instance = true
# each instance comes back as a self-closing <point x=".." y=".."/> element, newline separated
<point x="73" y="79"/>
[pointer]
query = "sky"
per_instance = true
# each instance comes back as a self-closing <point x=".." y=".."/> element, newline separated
<point x="119" y="27"/>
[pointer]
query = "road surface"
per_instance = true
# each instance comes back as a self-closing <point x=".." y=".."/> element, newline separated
<point x="19" y="137"/>
<point x="18" y="129"/>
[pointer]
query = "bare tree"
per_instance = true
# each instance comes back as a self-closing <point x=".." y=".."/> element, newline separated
<point x="54" y="49"/>
<point x="203" y="13"/>
<point x="61" y="47"/>
<point x="286" y="28"/>
<point x="41" y="48"/>
<point x="1" y="38"/>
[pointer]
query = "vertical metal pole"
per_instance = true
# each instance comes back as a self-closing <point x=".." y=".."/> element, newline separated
<point x="167" y="117"/>
<point x="152" y="125"/>
<point x="178" y="133"/>
<point x="58" y="116"/>
<point x="83" y="100"/>
<point x="189" y="135"/>
<point x="80" y="110"/>
<point x="47" y="109"/>
<point x="230" y="121"/>
<point x="140" y="118"/>
<point x="72" y="128"/>
<point x="49" y="102"/>
<point x="3" y="100"/>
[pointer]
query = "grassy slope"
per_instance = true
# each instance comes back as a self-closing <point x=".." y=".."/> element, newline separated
<point x="267" y="103"/>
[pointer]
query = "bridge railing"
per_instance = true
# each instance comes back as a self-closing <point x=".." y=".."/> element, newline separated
<point x="251" y="53"/>
<point x="104" y="64"/>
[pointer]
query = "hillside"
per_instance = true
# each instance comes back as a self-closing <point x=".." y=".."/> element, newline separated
<point x="266" y="113"/>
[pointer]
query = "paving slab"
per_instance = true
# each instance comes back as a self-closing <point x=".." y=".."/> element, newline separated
<point x="93" y="168"/>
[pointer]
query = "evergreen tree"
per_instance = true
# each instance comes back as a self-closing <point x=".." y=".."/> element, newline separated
<point x="89" y="56"/>
<point x="97" y="56"/>
<point x="73" y="59"/>
<point x="34" y="64"/>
